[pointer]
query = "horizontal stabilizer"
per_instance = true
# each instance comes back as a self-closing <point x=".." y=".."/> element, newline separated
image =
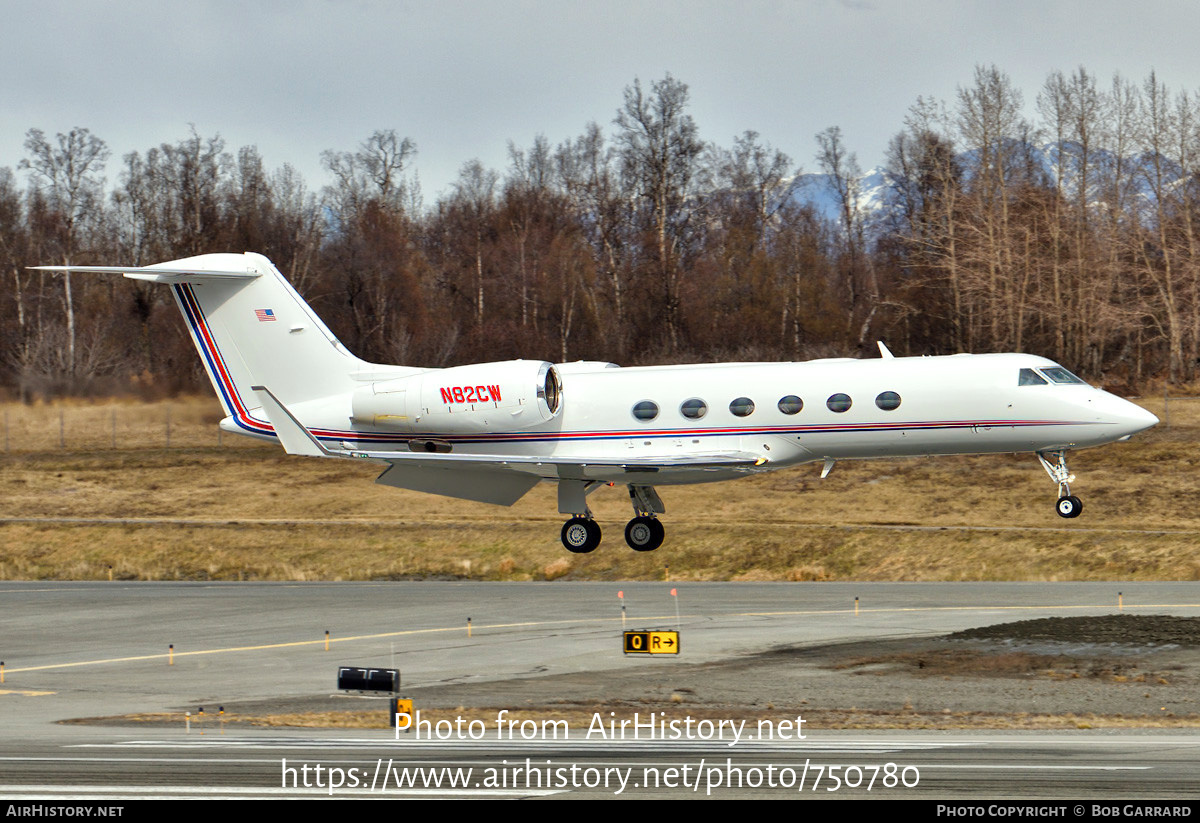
<point x="155" y="274"/>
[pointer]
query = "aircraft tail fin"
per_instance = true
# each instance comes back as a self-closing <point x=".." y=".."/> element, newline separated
<point x="250" y="328"/>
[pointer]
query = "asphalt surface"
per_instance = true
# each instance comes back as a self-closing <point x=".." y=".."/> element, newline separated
<point x="87" y="650"/>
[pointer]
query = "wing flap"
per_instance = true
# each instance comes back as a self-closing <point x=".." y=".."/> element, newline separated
<point x="547" y="465"/>
<point x="497" y="487"/>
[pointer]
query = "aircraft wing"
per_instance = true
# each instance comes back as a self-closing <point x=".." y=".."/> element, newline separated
<point x="575" y="467"/>
<point x="502" y="479"/>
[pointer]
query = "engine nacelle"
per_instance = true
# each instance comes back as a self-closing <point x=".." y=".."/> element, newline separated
<point x="507" y="396"/>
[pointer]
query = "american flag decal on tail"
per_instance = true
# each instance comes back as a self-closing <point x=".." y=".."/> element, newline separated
<point x="264" y="315"/>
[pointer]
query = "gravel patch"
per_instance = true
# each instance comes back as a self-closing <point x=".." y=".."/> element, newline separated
<point x="1133" y="670"/>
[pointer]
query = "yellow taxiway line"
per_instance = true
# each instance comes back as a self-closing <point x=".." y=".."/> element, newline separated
<point x="596" y="620"/>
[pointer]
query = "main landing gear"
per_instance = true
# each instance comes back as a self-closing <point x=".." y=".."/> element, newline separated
<point x="581" y="534"/>
<point x="644" y="533"/>
<point x="1067" y="505"/>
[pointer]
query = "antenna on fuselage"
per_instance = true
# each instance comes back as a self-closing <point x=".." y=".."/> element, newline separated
<point x="884" y="352"/>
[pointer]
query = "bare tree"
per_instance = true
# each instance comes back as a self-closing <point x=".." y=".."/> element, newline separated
<point x="374" y="173"/>
<point x="301" y="224"/>
<point x="602" y="207"/>
<point x="659" y="150"/>
<point x="927" y="181"/>
<point x="992" y="126"/>
<point x="1156" y="251"/>
<point x="475" y="196"/>
<point x="67" y="175"/>
<point x="751" y="174"/>
<point x="844" y="176"/>
<point x="193" y="174"/>
<point x="526" y="194"/>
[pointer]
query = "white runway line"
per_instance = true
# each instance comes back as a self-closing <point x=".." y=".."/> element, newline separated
<point x="17" y="791"/>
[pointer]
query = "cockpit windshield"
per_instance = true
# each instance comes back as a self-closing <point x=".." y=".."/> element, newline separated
<point x="1060" y="375"/>
<point x="1042" y="377"/>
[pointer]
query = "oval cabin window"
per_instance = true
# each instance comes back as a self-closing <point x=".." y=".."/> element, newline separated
<point x="838" y="403"/>
<point x="742" y="407"/>
<point x="888" y="401"/>
<point x="693" y="409"/>
<point x="791" y="404"/>
<point x="646" y="410"/>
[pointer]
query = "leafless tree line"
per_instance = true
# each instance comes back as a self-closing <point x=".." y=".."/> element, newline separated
<point x="1071" y="232"/>
<point x="1072" y="235"/>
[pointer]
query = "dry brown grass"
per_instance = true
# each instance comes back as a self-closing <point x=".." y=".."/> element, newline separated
<point x="244" y="510"/>
<point x="97" y="424"/>
<point x="579" y="719"/>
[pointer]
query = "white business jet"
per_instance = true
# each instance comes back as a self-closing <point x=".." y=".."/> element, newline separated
<point x="491" y="432"/>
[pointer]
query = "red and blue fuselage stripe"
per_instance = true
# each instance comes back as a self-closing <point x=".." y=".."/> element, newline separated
<point x="816" y="428"/>
<point x="230" y="397"/>
<point x="214" y="363"/>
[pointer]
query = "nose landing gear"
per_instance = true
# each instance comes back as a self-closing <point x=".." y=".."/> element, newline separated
<point x="1067" y="505"/>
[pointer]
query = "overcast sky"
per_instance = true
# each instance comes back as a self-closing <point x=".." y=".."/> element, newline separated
<point x="464" y="78"/>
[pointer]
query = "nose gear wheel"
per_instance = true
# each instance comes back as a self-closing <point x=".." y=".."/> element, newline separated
<point x="1067" y="505"/>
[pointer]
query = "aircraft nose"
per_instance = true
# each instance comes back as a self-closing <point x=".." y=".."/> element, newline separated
<point x="1131" y="418"/>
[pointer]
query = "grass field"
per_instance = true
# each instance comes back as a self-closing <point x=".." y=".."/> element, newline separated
<point x="229" y="508"/>
<point x="580" y="718"/>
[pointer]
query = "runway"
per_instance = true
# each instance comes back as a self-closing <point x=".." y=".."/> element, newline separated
<point x="76" y="650"/>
